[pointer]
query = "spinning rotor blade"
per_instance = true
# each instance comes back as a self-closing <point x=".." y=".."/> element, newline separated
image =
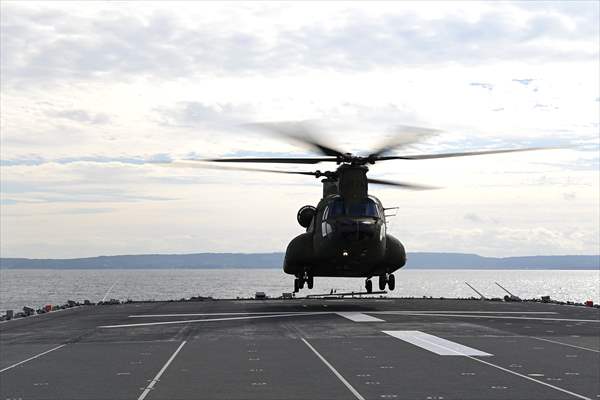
<point x="447" y="155"/>
<point x="404" y="185"/>
<point x="300" y="131"/>
<point x="403" y="136"/>
<point x="222" y="167"/>
<point x="312" y="160"/>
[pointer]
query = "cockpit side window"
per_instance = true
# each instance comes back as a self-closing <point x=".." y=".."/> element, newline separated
<point x="337" y="207"/>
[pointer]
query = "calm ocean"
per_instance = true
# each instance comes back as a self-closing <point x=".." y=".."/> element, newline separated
<point x="37" y="287"/>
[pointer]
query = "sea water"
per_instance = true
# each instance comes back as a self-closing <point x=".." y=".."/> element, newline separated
<point x="44" y="286"/>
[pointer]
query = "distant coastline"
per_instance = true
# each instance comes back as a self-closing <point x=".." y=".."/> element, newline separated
<point x="274" y="260"/>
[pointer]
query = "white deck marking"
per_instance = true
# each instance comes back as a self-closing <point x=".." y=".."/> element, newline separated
<point x="32" y="358"/>
<point x="493" y="317"/>
<point x="359" y="317"/>
<point x="189" y="321"/>
<point x="564" y="344"/>
<point x="461" y="312"/>
<point x="340" y="377"/>
<point x="531" y="379"/>
<point x="436" y="344"/>
<point x="226" y="313"/>
<point x="330" y="312"/>
<point x="527" y="377"/>
<point x="162" y="370"/>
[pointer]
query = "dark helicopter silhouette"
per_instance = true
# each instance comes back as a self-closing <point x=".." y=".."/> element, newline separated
<point x="346" y="232"/>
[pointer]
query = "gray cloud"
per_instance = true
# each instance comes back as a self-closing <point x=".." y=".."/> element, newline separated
<point x="188" y="114"/>
<point x="472" y="217"/>
<point x="38" y="160"/>
<point x="81" y="116"/>
<point x="524" y="82"/>
<point x="42" y="45"/>
<point x="483" y="85"/>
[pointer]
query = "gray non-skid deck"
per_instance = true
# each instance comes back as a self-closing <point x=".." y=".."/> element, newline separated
<point x="305" y="349"/>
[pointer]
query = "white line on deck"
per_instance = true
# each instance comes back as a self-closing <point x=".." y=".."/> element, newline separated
<point x="564" y="344"/>
<point x="330" y="312"/>
<point x="32" y="358"/>
<point x="162" y="370"/>
<point x="461" y="312"/>
<point x="495" y="317"/>
<point x="531" y="379"/>
<point x="359" y="317"/>
<point x="528" y="378"/>
<point x="189" y="321"/>
<point x="226" y="313"/>
<point x="436" y="344"/>
<point x="340" y="377"/>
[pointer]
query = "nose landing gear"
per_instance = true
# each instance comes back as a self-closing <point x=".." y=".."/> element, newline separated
<point x="369" y="285"/>
<point x="300" y="281"/>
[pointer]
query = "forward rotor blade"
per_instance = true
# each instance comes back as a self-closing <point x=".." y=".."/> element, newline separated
<point x="404" y="185"/>
<point x="461" y="154"/>
<point x="300" y="131"/>
<point x="403" y="136"/>
<point x="281" y="160"/>
<point x="223" y="167"/>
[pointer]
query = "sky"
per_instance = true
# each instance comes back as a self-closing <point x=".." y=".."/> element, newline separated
<point x="97" y="100"/>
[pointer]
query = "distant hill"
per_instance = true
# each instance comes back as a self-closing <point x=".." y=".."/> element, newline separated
<point x="275" y="260"/>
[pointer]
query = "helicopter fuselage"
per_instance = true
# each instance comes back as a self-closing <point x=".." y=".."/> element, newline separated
<point x="346" y="233"/>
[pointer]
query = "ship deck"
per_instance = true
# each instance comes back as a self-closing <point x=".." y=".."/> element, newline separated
<point x="305" y="349"/>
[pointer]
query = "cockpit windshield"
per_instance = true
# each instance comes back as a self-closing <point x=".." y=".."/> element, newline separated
<point x="362" y="208"/>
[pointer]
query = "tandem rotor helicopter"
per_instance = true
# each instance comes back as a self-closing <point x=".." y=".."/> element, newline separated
<point x="346" y="231"/>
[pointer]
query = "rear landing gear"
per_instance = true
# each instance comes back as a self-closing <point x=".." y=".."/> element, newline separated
<point x="388" y="280"/>
<point x="310" y="282"/>
<point x="369" y="285"/>
<point x="391" y="282"/>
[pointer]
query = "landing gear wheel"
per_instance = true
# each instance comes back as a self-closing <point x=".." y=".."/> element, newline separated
<point x="310" y="282"/>
<point x="301" y="283"/>
<point x="369" y="285"/>
<point x="391" y="282"/>
<point x="296" y="285"/>
<point x="382" y="282"/>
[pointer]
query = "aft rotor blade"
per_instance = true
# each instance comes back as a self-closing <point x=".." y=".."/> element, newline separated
<point x="281" y="160"/>
<point x="184" y="164"/>
<point x="403" y="136"/>
<point x="300" y="131"/>
<point x="461" y="154"/>
<point x="404" y="185"/>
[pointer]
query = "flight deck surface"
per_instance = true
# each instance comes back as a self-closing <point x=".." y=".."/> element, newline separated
<point x="304" y="349"/>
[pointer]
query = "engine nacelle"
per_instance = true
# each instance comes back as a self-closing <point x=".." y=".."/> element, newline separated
<point x="305" y="215"/>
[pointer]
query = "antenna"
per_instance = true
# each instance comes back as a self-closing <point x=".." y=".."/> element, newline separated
<point x="510" y="297"/>
<point x="476" y="291"/>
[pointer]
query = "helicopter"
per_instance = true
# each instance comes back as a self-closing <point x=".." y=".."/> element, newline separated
<point x="346" y="232"/>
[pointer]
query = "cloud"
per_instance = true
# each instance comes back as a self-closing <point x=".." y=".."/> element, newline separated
<point x="472" y="217"/>
<point x="30" y="161"/>
<point x="82" y="116"/>
<point x="51" y="44"/>
<point x="505" y="242"/>
<point x="94" y="97"/>
<point x="524" y="82"/>
<point x="190" y="114"/>
<point x="483" y="85"/>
